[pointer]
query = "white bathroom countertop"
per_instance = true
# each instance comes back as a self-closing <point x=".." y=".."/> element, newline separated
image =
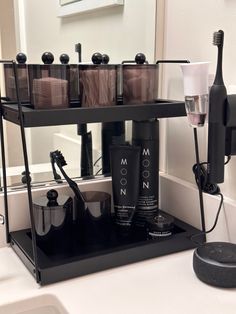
<point x="160" y="285"/>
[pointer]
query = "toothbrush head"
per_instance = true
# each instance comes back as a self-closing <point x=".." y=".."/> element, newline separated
<point x="218" y="38"/>
<point x="58" y="158"/>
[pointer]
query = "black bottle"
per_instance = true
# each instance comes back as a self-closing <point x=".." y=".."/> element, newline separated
<point x="86" y="161"/>
<point x="146" y="135"/>
<point x="113" y="133"/>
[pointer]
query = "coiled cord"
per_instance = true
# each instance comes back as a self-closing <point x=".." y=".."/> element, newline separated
<point x="203" y="185"/>
<point x="201" y="179"/>
<point x="210" y="188"/>
<point x="214" y="224"/>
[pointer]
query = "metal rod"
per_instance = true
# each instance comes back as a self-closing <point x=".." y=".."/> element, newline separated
<point x="172" y="61"/>
<point x="4" y="175"/>
<point x="7" y="61"/>
<point x="199" y="180"/>
<point x="34" y="244"/>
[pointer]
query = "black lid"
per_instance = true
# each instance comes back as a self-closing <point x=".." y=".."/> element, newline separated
<point x="105" y="59"/>
<point x="47" y="58"/>
<point x="221" y="252"/>
<point x="21" y="58"/>
<point x="51" y="199"/>
<point x="102" y="66"/>
<point x="64" y="58"/>
<point x="145" y="130"/>
<point x="161" y="222"/>
<point x="139" y="62"/>
<point x="96" y="58"/>
<point x="54" y="66"/>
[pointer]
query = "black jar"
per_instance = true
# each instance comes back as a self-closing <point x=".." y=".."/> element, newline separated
<point x="53" y="217"/>
<point x="94" y="218"/>
<point x="10" y="84"/>
<point x="98" y="82"/>
<point x="139" y="81"/>
<point x="160" y="226"/>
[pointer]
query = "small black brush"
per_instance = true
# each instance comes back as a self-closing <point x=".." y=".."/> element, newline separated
<point x="217" y="112"/>
<point x="59" y="159"/>
<point x="56" y="176"/>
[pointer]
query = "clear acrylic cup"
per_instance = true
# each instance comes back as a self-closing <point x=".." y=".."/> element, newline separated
<point x="196" y="109"/>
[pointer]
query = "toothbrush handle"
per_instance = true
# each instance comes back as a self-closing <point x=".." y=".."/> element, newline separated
<point x="216" y="133"/>
<point x="72" y="184"/>
<point x="55" y="174"/>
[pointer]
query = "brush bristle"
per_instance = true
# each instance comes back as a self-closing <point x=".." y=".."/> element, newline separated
<point x="58" y="158"/>
<point x="218" y="38"/>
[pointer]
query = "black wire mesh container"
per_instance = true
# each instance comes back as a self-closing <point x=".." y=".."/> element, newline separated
<point x="98" y="82"/>
<point x="49" y="86"/>
<point x="23" y="81"/>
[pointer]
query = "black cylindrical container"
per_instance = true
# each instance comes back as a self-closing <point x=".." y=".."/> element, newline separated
<point x="97" y="84"/>
<point x="53" y="216"/>
<point x="146" y="135"/>
<point x="49" y="86"/>
<point x="138" y="81"/>
<point x="86" y="164"/>
<point x="160" y="226"/>
<point x="94" y="218"/>
<point x="113" y="133"/>
<point x="23" y="82"/>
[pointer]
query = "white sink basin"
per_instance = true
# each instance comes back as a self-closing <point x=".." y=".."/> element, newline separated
<point x="44" y="304"/>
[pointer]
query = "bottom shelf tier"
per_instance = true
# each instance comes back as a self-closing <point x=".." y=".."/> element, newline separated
<point x="63" y="261"/>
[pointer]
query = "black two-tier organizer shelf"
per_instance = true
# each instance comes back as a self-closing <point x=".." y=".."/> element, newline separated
<point x="48" y="266"/>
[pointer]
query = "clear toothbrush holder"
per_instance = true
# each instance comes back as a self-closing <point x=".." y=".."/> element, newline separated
<point x="195" y="81"/>
<point x="196" y="109"/>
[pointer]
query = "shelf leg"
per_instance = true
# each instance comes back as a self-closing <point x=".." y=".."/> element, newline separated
<point x="4" y="175"/>
<point x="33" y="231"/>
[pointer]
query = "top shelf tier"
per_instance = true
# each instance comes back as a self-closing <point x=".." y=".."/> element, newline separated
<point x="37" y="118"/>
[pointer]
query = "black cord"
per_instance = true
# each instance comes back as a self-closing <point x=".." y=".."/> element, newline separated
<point x="99" y="158"/>
<point x="202" y="179"/>
<point x="228" y="159"/>
<point x="198" y="176"/>
<point x="200" y="173"/>
<point x="214" y="224"/>
<point x="98" y="171"/>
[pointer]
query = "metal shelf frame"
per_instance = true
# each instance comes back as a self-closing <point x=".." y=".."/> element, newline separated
<point x="36" y="118"/>
<point x="26" y="162"/>
<point x="26" y="247"/>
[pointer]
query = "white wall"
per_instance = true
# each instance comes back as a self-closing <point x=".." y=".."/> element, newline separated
<point x="189" y="27"/>
<point x="8" y="51"/>
<point x="120" y="32"/>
